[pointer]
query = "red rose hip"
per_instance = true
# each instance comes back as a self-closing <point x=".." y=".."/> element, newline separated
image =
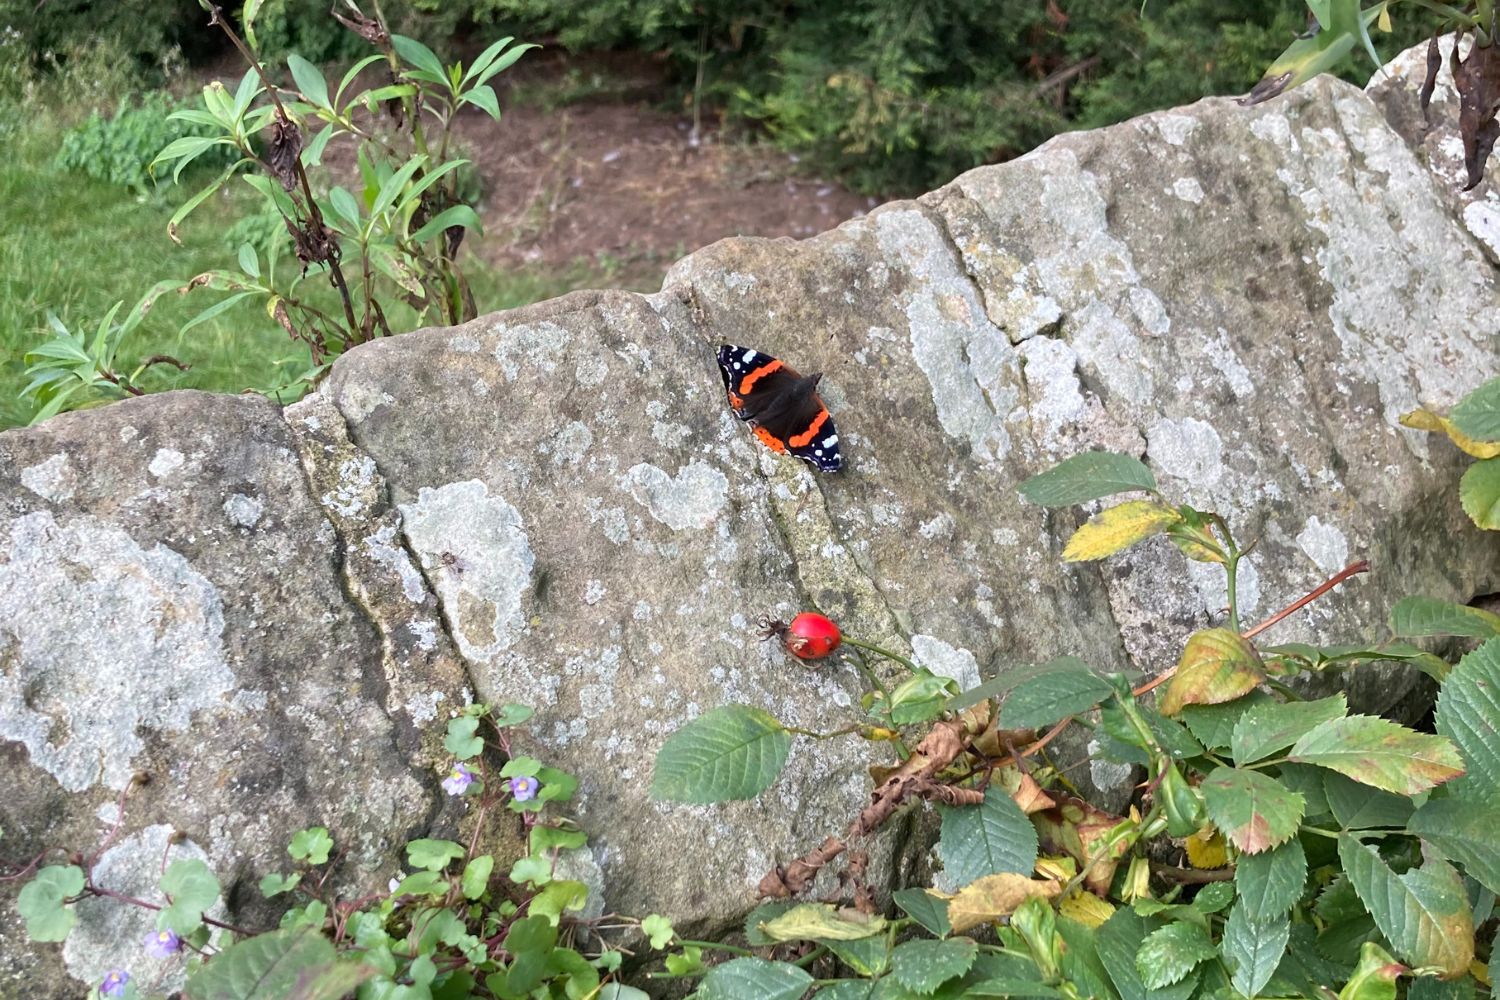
<point x="809" y="637"/>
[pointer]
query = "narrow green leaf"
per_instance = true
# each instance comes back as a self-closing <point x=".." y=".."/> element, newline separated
<point x="1468" y="705"/>
<point x="483" y="60"/>
<point x="1424" y="913"/>
<point x="754" y="979"/>
<point x="1479" y="493"/>
<point x="1254" y="811"/>
<point x="1420" y="616"/>
<point x="420" y="56"/>
<point x="350" y="75"/>
<point x="455" y="215"/>
<point x="926" y="909"/>
<point x="390" y="189"/>
<point x="1253" y="949"/>
<point x="222" y="306"/>
<point x="1478" y="413"/>
<point x="992" y="837"/>
<point x="1305" y="58"/>
<point x="504" y="63"/>
<point x="1050" y="697"/>
<point x="1086" y="477"/>
<point x="1381" y="753"/>
<point x="1271" y="882"/>
<point x="925" y="965"/>
<point x="187" y="207"/>
<point x="485" y="99"/>
<point x="1273" y="725"/>
<point x="733" y="752"/>
<point x="309" y="80"/>
<point x="345" y="205"/>
<point x="1467" y="832"/>
<point x="249" y="262"/>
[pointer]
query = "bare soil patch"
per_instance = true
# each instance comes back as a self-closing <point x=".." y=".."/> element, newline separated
<point x="619" y="183"/>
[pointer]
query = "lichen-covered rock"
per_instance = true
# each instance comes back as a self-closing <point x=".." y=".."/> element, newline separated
<point x="555" y="506"/>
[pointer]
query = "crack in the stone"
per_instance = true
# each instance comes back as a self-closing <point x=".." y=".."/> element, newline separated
<point x="381" y="511"/>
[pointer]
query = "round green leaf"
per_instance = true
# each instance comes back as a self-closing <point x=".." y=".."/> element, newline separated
<point x="1478" y="413"/>
<point x="41" y="902"/>
<point x="1468" y="705"/>
<point x="193" y="889"/>
<point x="733" y="752"/>
<point x="1479" y="492"/>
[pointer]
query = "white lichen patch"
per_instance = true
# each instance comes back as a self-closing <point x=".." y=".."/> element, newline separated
<point x="1175" y="128"/>
<point x="536" y="345"/>
<point x="1482" y="220"/>
<point x="1054" y="398"/>
<point x="165" y="462"/>
<point x="1188" y="449"/>
<point x="1188" y="189"/>
<point x="108" y="934"/>
<point x="461" y="524"/>
<point x="356" y="485"/>
<point x="571" y="443"/>
<point x="384" y="549"/>
<point x="55" y="479"/>
<point x="463" y="343"/>
<point x="1324" y="544"/>
<point x="243" y="510"/>
<point x="106" y="639"/>
<point x="970" y="365"/>
<point x="591" y="370"/>
<point x="691" y="499"/>
<point x="1221" y="355"/>
<point x="1106" y="775"/>
<point x="946" y="661"/>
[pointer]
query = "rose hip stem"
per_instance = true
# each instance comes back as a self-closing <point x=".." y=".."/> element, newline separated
<point x="871" y="647"/>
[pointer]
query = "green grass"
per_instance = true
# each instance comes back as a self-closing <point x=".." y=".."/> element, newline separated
<point x="73" y="246"/>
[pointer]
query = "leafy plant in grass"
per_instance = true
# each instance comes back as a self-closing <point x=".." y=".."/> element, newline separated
<point x="1277" y="846"/>
<point x="460" y="924"/>
<point x="120" y="149"/>
<point x="344" y="257"/>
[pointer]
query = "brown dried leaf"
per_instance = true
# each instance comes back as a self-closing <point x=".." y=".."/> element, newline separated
<point x="371" y="31"/>
<point x="1478" y="82"/>
<point x="1429" y="83"/>
<point x="282" y="151"/>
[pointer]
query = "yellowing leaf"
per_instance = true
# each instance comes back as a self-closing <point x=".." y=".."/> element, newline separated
<point x="1383" y="22"/>
<point x="995" y="896"/>
<point x="1217" y="665"/>
<point x="821" y="921"/>
<point x="1426" y="420"/>
<point x="1207" y="852"/>
<point x="1120" y="527"/>
<point x="1086" y="908"/>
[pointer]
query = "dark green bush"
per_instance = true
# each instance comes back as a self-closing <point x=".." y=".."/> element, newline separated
<point x="118" y="149"/>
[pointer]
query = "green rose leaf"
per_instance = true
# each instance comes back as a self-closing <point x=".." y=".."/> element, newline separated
<point x="1087" y="477"/>
<point x="733" y="752"/>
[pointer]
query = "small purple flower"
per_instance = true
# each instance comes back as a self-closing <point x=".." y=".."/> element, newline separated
<point x="114" y="983"/>
<point x="163" y="944"/>
<point x="524" y="789"/>
<point x="458" y="781"/>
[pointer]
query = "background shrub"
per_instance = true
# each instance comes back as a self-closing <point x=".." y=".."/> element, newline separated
<point x="119" y="148"/>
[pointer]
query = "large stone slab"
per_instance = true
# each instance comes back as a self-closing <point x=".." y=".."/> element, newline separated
<point x="273" y="612"/>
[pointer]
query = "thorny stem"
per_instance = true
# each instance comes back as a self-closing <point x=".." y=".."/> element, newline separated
<point x="882" y="652"/>
<point x="822" y="736"/>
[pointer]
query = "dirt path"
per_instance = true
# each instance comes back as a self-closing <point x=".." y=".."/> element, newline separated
<point x="620" y="185"/>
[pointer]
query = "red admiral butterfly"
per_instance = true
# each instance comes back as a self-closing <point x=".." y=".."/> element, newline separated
<point x="781" y="405"/>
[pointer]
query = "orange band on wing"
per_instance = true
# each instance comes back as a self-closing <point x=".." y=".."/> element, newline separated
<point x="769" y="440"/>
<point x="805" y="438"/>
<point x="748" y="382"/>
